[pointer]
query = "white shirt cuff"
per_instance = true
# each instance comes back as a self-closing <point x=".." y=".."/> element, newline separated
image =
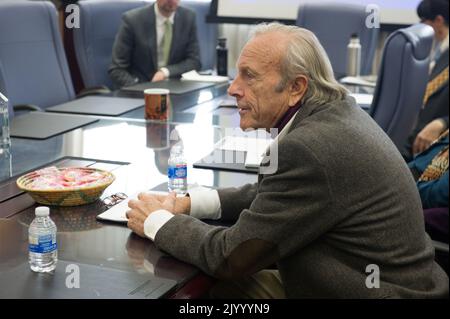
<point x="205" y="203"/>
<point x="155" y="221"/>
<point x="166" y="72"/>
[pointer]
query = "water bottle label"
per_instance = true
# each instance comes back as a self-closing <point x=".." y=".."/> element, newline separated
<point x="179" y="171"/>
<point x="42" y="244"/>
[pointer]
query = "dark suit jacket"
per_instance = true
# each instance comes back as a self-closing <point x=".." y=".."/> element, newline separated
<point x="134" y="56"/>
<point x="436" y="107"/>
<point x="342" y="199"/>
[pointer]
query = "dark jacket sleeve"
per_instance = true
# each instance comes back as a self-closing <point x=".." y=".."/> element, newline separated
<point x="281" y="219"/>
<point x="192" y="51"/>
<point x="234" y="200"/>
<point x="121" y="56"/>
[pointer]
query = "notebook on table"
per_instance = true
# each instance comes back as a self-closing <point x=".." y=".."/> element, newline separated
<point x="234" y="166"/>
<point x="43" y="125"/>
<point x="98" y="105"/>
<point x="174" y="85"/>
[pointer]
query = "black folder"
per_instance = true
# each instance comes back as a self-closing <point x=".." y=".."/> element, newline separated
<point x="98" y="105"/>
<point x="174" y="85"/>
<point x="237" y="166"/>
<point x="43" y="125"/>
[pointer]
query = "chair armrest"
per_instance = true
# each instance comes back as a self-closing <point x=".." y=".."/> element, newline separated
<point x="358" y="81"/>
<point x="440" y="246"/>
<point x="94" y="91"/>
<point x="26" y="107"/>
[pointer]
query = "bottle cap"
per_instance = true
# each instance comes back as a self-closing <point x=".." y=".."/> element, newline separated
<point x="42" y="211"/>
<point x="222" y="41"/>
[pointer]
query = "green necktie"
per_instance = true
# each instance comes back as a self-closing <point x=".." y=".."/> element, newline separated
<point x="167" y="41"/>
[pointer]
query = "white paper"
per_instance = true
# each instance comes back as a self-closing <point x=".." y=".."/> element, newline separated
<point x="118" y="211"/>
<point x="363" y="99"/>
<point x="194" y="76"/>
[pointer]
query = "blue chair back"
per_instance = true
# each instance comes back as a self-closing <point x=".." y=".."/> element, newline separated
<point x="35" y="69"/>
<point x="333" y="24"/>
<point x="402" y="81"/>
<point x="99" y="23"/>
<point x="93" y="41"/>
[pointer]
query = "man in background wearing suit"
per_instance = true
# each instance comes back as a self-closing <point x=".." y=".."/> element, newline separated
<point x="154" y="43"/>
<point x="433" y="117"/>
<point x="342" y="204"/>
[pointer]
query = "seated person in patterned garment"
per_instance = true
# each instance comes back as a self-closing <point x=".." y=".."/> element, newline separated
<point x="430" y="170"/>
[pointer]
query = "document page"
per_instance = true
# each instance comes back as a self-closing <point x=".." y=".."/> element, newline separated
<point x="118" y="211"/>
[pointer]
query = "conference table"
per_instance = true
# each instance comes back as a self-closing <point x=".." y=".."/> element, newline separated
<point x="136" y="151"/>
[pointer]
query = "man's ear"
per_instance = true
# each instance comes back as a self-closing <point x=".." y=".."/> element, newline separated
<point x="297" y="90"/>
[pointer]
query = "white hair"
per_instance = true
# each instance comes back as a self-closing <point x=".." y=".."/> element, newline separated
<point x="305" y="55"/>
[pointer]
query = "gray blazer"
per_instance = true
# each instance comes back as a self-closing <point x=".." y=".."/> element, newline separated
<point x="134" y="56"/>
<point x="341" y="200"/>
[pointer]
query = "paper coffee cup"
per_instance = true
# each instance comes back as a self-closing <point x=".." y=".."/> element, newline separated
<point x="157" y="104"/>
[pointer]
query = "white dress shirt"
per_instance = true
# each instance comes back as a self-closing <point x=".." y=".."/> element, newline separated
<point x="160" y="29"/>
<point x="205" y="202"/>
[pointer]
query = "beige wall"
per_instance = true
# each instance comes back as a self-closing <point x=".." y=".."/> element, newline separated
<point x="237" y="35"/>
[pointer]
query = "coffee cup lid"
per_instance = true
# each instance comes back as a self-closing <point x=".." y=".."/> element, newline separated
<point x="156" y="91"/>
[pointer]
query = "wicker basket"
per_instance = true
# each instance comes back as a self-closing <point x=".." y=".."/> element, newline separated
<point x="66" y="197"/>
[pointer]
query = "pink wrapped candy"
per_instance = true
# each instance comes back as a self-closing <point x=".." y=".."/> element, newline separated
<point x="71" y="177"/>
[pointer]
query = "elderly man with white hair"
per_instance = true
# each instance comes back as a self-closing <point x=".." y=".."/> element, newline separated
<point x="341" y="216"/>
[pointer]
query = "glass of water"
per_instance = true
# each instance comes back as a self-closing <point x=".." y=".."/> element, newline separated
<point x="5" y="140"/>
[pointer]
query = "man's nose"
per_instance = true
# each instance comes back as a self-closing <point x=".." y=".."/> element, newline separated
<point x="235" y="88"/>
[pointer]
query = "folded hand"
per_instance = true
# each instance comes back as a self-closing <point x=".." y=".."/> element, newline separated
<point x="141" y="209"/>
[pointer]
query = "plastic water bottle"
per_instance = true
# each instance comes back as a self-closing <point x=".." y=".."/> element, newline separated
<point x="43" y="252"/>
<point x="177" y="170"/>
<point x="354" y="56"/>
<point x="222" y="57"/>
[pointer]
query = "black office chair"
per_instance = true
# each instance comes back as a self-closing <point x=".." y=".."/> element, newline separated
<point x="402" y="80"/>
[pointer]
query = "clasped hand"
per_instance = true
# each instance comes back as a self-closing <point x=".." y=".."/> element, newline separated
<point x="147" y="204"/>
